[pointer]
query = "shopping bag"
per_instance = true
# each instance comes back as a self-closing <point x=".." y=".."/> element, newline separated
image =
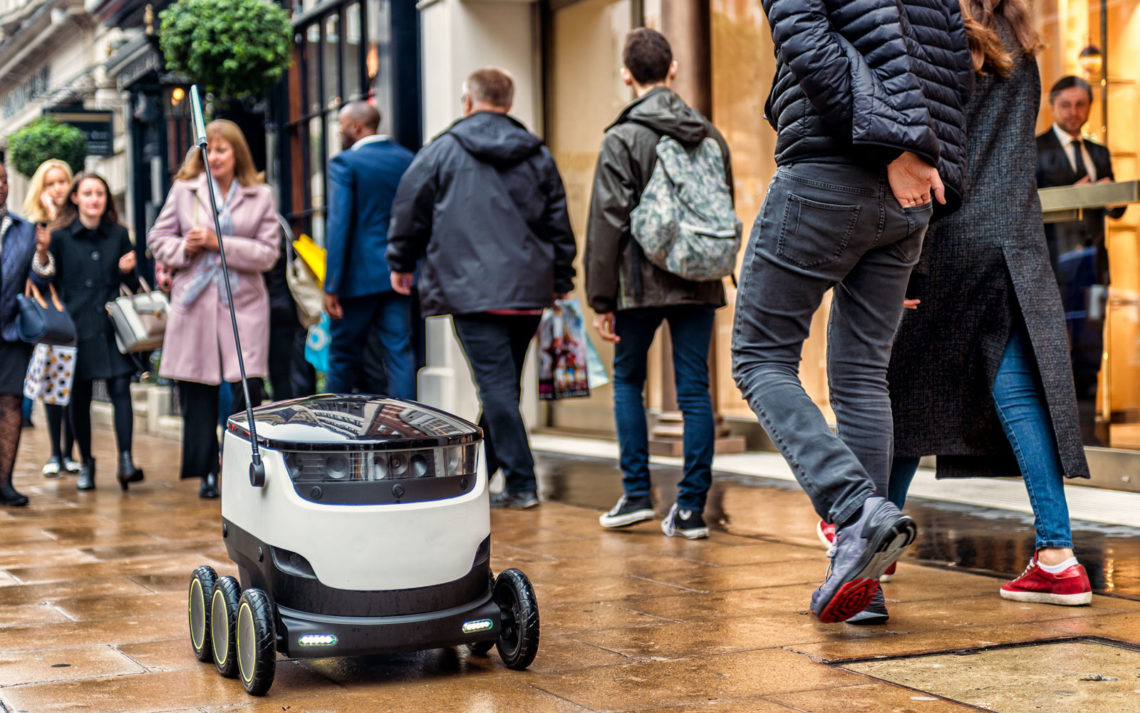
<point x="595" y="369"/>
<point x="562" y="352"/>
<point x="312" y="254"/>
<point x="317" y="344"/>
<point x="307" y="289"/>
<point x="51" y="372"/>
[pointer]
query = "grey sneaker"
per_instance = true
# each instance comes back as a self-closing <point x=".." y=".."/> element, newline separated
<point x="520" y="500"/>
<point x="863" y="551"/>
<point x="875" y="613"/>
<point x="684" y="523"/>
<point x="628" y="511"/>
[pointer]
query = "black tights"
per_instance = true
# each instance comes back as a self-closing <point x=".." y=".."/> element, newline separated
<point x="59" y="429"/>
<point x="11" y="422"/>
<point x="119" y="388"/>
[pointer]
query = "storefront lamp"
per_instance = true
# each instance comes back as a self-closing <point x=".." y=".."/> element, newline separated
<point x="177" y="95"/>
<point x="1091" y="60"/>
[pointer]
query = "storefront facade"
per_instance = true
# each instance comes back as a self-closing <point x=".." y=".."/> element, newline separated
<point x="583" y="93"/>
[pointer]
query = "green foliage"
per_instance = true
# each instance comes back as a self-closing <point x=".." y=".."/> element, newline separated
<point x="45" y="138"/>
<point x="231" y="48"/>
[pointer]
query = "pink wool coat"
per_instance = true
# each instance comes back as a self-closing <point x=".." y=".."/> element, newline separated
<point x="199" y="341"/>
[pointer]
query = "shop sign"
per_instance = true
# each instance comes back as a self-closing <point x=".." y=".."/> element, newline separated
<point x="33" y="87"/>
<point x="96" y="125"/>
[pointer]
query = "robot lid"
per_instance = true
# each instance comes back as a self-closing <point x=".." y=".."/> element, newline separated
<point x="353" y="422"/>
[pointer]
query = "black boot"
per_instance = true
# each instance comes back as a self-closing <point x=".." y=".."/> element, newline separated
<point x="209" y="487"/>
<point x="86" y="479"/>
<point x="11" y="496"/>
<point x="128" y="473"/>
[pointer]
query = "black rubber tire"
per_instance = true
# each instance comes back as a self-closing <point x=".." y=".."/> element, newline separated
<point x="256" y="642"/>
<point x="223" y="622"/>
<point x="518" y="635"/>
<point x="198" y="608"/>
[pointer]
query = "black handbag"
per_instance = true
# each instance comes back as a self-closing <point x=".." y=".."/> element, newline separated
<point x="41" y="321"/>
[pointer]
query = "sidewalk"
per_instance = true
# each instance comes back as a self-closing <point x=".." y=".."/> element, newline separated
<point x="93" y="618"/>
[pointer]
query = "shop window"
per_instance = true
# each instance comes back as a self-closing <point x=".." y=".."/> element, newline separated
<point x="343" y="55"/>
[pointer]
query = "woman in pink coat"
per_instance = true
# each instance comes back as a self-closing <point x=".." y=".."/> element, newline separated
<point x="198" y="351"/>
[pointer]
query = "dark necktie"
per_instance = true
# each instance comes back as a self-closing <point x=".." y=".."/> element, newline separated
<point x="1079" y="160"/>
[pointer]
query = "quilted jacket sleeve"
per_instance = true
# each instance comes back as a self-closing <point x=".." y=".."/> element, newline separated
<point x="806" y="42"/>
<point x="854" y="62"/>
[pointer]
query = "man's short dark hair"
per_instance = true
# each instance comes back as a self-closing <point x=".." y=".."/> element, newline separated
<point x="491" y="85"/>
<point x="1068" y="82"/>
<point x="647" y="55"/>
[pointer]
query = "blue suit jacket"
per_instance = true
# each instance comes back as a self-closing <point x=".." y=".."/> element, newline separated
<point x="362" y="184"/>
<point x="15" y="269"/>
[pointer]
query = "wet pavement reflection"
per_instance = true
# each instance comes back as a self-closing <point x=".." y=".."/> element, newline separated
<point x="974" y="538"/>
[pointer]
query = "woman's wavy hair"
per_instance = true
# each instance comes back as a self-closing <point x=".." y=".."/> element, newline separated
<point x="69" y="212"/>
<point x="244" y="170"/>
<point x="986" y="48"/>
<point x="33" y="209"/>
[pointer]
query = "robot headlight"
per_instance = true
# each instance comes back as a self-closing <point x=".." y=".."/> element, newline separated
<point x="372" y="466"/>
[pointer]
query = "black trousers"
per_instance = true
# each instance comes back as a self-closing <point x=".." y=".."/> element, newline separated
<point x="198" y="404"/>
<point x="496" y="346"/>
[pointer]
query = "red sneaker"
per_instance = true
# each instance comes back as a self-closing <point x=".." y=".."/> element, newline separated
<point x="825" y="531"/>
<point x="1070" y="588"/>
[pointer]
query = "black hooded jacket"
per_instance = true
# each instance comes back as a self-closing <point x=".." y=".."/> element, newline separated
<point x="483" y="207"/>
<point x="618" y="275"/>
<point x="865" y="80"/>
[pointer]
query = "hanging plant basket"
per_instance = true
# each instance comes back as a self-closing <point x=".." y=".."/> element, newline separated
<point x="231" y="48"/>
<point x="45" y="138"/>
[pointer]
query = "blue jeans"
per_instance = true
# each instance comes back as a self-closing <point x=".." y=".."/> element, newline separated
<point x="390" y="315"/>
<point x="690" y="327"/>
<point x="496" y="346"/>
<point x="1025" y="420"/>
<point x="826" y="226"/>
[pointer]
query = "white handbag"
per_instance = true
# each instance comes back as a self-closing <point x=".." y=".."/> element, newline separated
<point x="139" y="318"/>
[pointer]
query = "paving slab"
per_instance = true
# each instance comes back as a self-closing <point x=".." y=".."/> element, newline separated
<point x="93" y="617"/>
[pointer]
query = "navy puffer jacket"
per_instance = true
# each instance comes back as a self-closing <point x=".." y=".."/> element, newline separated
<point x="869" y="79"/>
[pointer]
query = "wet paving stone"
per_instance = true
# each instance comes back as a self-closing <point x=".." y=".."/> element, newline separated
<point x="93" y="611"/>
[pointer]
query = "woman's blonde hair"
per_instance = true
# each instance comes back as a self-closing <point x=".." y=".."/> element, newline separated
<point x="244" y="170"/>
<point x="33" y="208"/>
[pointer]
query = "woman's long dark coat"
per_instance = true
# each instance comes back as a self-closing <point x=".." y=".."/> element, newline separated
<point x="984" y="270"/>
<point x="87" y="278"/>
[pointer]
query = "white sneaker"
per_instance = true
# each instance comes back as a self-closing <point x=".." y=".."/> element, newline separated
<point x="51" y="468"/>
<point x="627" y="512"/>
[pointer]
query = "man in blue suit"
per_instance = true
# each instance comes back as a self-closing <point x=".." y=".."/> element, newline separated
<point x="358" y="294"/>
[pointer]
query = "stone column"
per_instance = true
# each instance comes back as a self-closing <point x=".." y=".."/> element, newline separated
<point x="458" y="37"/>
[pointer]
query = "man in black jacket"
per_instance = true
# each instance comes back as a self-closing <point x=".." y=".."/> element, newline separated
<point x="483" y="207"/>
<point x="868" y="104"/>
<point x="1077" y="248"/>
<point x="620" y="279"/>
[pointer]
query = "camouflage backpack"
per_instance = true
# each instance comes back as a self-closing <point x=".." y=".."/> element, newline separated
<point x="685" y="223"/>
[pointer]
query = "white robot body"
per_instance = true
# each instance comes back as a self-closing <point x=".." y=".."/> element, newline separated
<point x="360" y="546"/>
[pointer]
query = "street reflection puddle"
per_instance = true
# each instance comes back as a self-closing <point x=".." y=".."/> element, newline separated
<point x="1076" y="675"/>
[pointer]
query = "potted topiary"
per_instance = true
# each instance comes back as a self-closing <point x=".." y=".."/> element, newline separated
<point x="45" y="138"/>
<point x="232" y="48"/>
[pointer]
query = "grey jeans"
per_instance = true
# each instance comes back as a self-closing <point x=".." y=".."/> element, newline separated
<point x="822" y="226"/>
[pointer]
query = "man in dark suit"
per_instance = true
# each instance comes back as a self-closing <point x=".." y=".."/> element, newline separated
<point x="1077" y="249"/>
<point x="358" y="295"/>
